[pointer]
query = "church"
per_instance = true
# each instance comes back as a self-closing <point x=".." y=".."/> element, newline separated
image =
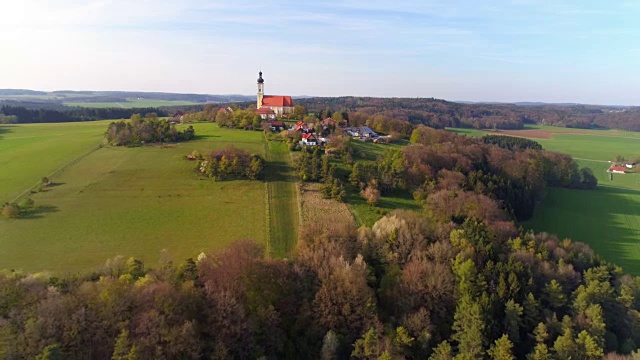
<point x="280" y="105"/>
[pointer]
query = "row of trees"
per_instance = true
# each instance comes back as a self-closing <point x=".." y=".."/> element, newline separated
<point x="41" y="114"/>
<point x="511" y="142"/>
<point x="231" y="163"/>
<point x="149" y="129"/>
<point x="8" y="119"/>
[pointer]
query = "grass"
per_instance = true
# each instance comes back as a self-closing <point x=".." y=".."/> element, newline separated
<point x="122" y="201"/>
<point x="130" y="103"/>
<point x="30" y="152"/>
<point x="608" y="219"/>
<point x="283" y="200"/>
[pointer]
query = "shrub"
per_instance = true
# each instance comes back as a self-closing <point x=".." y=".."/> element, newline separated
<point x="26" y="203"/>
<point x="10" y="210"/>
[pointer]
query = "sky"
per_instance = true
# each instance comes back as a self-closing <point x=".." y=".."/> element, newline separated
<point x="578" y="51"/>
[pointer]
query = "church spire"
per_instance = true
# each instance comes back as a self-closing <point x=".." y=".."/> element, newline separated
<point x="260" y="89"/>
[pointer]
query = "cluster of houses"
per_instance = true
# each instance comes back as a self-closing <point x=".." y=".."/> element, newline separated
<point x="621" y="168"/>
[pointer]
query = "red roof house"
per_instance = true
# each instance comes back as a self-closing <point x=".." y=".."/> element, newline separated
<point x="617" y="169"/>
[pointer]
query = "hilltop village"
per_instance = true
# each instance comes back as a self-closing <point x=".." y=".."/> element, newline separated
<point x="278" y="113"/>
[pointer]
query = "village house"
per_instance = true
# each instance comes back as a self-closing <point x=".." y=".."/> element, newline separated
<point x="617" y="169"/>
<point x="309" y="139"/>
<point x="280" y="105"/>
<point x="363" y="133"/>
<point x="276" y="125"/>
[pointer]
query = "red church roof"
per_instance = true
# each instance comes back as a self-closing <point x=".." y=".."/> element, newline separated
<point x="276" y="100"/>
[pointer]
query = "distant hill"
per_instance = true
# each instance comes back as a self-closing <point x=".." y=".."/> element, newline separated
<point x="89" y="97"/>
<point x="20" y="92"/>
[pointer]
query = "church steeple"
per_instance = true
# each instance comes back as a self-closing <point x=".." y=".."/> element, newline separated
<point x="260" y="89"/>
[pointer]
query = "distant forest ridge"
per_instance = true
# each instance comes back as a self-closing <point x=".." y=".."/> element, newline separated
<point x="61" y="96"/>
<point x="432" y="112"/>
<point x="441" y="113"/>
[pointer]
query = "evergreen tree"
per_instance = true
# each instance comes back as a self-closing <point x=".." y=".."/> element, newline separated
<point x="468" y="329"/>
<point x="502" y="349"/>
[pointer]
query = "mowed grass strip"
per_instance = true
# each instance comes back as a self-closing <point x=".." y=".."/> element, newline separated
<point x="283" y="200"/>
<point x="608" y="219"/>
<point x="137" y="202"/>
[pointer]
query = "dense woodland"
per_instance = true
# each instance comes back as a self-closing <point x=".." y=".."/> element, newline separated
<point x="141" y="130"/>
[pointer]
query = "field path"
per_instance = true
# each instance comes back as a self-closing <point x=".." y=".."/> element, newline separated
<point x="282" y="200"/>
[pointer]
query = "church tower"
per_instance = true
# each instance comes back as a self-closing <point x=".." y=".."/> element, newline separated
<point x="260" y="89"/>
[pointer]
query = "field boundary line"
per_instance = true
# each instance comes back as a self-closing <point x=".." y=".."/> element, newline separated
<point x="58" y="171"/>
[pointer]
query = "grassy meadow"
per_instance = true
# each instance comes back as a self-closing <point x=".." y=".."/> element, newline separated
<point x="29" y="152"/>
<point x="121" y="201"/>
<point x="608" y="219"/>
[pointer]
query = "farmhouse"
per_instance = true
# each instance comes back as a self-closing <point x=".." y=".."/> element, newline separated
<point x="309" y="139"/>
<point x="363" y="133"/>
<point x="617" y="170"/>
<point x="281" y="105"/>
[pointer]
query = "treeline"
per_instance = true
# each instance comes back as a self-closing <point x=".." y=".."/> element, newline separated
<point x="150" y="129"/>
<point x="512" y="142"/>
<point x="457" y="173"/>
<point x="25" y="115"/>
<point x="230" y="164"/>
<point x="440" y="113"/>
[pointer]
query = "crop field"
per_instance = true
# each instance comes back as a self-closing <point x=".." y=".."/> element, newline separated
<point x="122" y="201"/>
<point x="130" y="103"/>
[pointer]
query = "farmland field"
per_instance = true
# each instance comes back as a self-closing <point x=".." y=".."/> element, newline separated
<point x="608" y="218"/>
<point x="29" y="152"/>
<point x="130" y="103"/>
<point x="122" y="201"/>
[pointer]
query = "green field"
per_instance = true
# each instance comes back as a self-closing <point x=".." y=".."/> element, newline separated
<point x="29" y="152"/>
<point x="607" y="219"/>
<point x="130" y="103"/>
<point x="283" y="200"/>
<point x="121" y="201"/>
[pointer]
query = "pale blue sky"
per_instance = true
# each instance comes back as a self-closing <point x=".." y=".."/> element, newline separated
<point x="521" y="50"/>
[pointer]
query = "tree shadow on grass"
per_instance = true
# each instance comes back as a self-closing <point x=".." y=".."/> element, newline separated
<point x="203" y="137"/>
<point x="279" y="171"/>
<point x="38" y="212"/>
<point x="607" y="219"/>
<point x="5" y="129"/>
